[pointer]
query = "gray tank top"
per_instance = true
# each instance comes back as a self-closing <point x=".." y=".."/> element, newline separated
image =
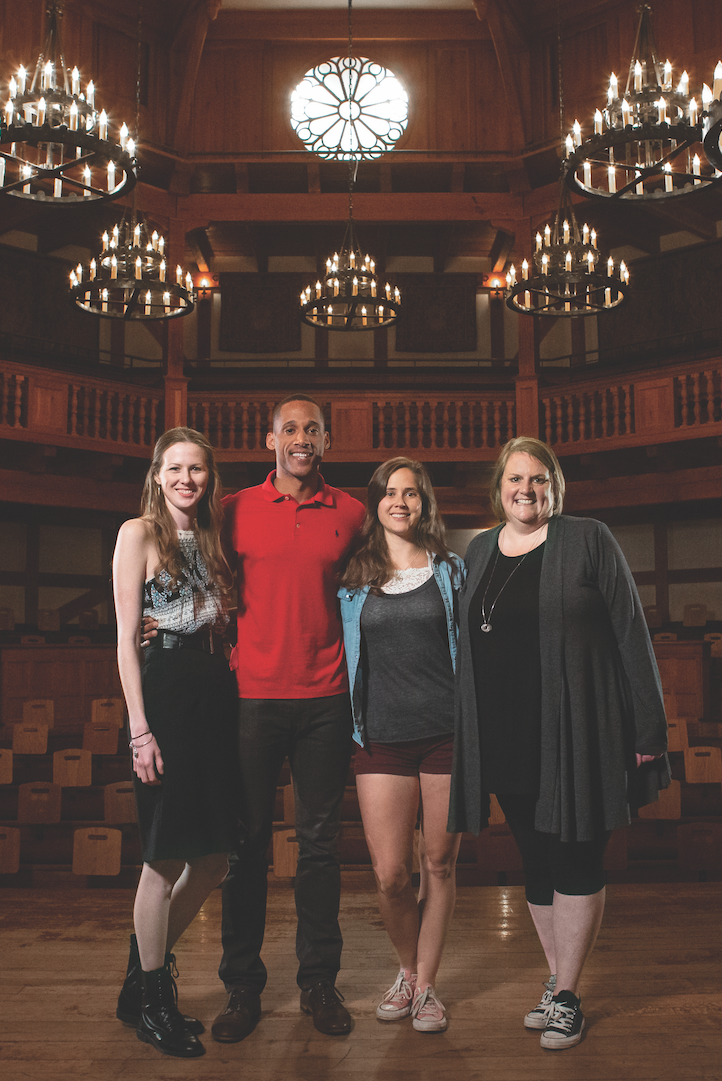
<point x="408" y="677"/>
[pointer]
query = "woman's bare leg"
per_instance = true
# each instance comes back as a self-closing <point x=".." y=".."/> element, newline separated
<point x="437" y="890"/>
<point x="389" y="807"/>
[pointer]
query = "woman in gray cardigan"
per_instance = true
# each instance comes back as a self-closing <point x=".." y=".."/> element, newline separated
<point x="559" y="710"/>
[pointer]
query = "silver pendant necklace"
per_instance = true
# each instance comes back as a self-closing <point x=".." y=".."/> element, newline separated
<point x="486" y="618"/>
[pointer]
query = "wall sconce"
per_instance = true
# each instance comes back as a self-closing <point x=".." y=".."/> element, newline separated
<point x="204" y="288"/>
<point x="495" y="285"/>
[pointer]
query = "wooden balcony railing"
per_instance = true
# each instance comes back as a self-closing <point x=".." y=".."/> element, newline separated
<point x="576" y="416"/>
<point x="368" y="426"/>
<point x="677" y="404"/>
<point x="42" y="405"/>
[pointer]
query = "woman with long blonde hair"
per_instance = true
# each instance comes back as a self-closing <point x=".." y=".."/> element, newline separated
<point x="180" y="698"/>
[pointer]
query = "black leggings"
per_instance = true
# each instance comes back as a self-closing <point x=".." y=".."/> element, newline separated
<point x="553" y="866"/>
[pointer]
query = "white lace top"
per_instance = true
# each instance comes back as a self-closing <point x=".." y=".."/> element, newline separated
<point x="194" y="603"/>
<point x="412" y="578"/>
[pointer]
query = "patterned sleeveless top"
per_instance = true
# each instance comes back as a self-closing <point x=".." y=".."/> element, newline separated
<point x="194" y="603"/>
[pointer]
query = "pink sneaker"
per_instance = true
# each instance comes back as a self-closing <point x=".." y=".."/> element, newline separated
<point x="428" y="1011"/>
<point x="397" y="1001"/>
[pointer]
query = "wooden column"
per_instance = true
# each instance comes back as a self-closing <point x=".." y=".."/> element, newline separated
<point x="176" y="384"/>
<point x="203" y="330"/>
<point x="496" y="327"/>
<point x="527" y="382"/>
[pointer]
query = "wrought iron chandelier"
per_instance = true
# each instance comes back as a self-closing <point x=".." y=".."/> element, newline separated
<point x="565" y="279"/>
<point x="130" y="278"/>
<point x="643" y="145"/>
<point x="349" y="108"/>
<point x="350" y="296"/>
<point x="54" y="146"/>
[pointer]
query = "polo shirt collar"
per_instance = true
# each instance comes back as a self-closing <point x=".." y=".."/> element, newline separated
<point x="323" y="495"/>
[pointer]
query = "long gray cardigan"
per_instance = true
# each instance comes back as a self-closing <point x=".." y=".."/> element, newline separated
<point x="601" y="693"/>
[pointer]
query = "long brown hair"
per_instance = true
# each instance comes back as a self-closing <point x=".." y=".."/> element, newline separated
<point x="209" y="515"/>
<point x="370" y="563"/>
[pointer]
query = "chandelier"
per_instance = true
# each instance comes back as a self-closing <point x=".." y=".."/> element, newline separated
<point x="350" y="296"/>
<point x="565" y="279"/>
<point x="349" y="108"/>
<point x="54" y="146"/>
<point x="643" y="141"/>
<point x="130" y="278"/>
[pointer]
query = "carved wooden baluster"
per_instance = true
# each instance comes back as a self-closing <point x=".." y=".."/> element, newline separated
<point x="402" y="428"/>
<point x="97" y="411"/>
<point x="73" y="409"/>
<point x="473" y="424"/>
<point x="142" y="415"/>
<point x="709" y="394"/>
<point x="231" y="425"/>
<point x="458" y="406"/>
<point x="714" y="399"/>
<point x="684" y="396"/>
<point x="270" y="406"/>
<point x="20" y="386"/>
<point x="558" y="419"/>
<point x="615" y="410"/>
<point x="244" y="426"/>
<point x="497" y="423"/>
<point x="440" y="424"/>
<point x="109" y="415"/>
<point x="695" y="397"/>
<point x="155" y="410"/>
<point x="629" y="415"/>
<point x="546" y="407"/>
<point x="254" y="429"/>
<point x="605" y="413"/>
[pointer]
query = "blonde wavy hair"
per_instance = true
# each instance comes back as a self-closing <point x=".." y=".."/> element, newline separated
<point x="209" y="516"/>
<point x="526" y="444"/>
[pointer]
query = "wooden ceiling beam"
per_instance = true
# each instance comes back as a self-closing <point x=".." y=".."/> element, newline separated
<point x="198" y="242"/>
<point x="185" y="57"/>
<point x="682" y="218"/>
<point x="509" y="76"/>
<point x="386" y="206"/>
<point x="501" y="248"/>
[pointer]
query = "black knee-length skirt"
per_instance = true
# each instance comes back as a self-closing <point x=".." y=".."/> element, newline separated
<point x="191" y="704"/>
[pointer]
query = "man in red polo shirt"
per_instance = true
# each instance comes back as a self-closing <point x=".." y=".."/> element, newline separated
<point x="291" y="536"/>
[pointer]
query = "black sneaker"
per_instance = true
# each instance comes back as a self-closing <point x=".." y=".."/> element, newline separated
<point x="565" y="1022"/>
<point x="537" y="1018"/>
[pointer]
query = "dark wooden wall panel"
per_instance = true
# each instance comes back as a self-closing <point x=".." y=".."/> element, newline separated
<point x="492" y="130"/>
<point x="227" y="105"/>
<point x="452" y="99"/>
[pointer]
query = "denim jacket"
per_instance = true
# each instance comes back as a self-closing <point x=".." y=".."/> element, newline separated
<point x="449" y="580"/>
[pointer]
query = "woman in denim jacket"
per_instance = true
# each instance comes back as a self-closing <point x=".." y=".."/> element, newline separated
<point x="398" y="606"/>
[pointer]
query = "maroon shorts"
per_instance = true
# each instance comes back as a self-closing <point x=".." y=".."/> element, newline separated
<point x="407" y="759"/>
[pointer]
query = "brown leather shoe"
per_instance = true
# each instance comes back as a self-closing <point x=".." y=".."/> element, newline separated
<point x="324" y="1002"/>
<point x="240" y="1017"/>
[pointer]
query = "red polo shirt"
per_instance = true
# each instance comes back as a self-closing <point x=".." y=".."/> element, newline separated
<point x="289" y="558"/>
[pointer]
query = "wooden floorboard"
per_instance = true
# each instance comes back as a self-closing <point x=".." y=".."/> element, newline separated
<point x="652" y="994"/>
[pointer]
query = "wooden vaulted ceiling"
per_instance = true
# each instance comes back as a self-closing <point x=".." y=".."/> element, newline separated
<point x="474" y="175"/>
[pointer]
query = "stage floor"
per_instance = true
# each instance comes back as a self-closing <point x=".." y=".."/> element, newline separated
<point x="652" y="993"/>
